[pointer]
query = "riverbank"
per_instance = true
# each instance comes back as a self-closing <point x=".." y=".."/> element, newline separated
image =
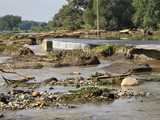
<point x="93" y="87"/>
<point x="73" y="80"/>
<point x="60" y="104"/>
<point x="84" y="34"/>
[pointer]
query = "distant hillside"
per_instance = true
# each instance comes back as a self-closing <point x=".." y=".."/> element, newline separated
<point x="15" y="23"/>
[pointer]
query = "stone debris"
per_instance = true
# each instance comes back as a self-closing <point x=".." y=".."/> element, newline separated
<point x="129" y="81"/>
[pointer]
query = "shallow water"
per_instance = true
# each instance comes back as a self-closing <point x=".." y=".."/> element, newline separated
<point x="123" y="109"/>
<point x="3" y="59"/>
<point x="59" y="73"/>
<point x="63" y="72"/>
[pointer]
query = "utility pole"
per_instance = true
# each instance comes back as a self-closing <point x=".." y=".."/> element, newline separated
<point x="98" y="25"/>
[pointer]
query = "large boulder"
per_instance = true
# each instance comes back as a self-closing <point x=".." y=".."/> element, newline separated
<point x="129" y="81"/>
<point x="146" y="52"/>
<point x="4" y="98"/>
<point x="142" y="68"/>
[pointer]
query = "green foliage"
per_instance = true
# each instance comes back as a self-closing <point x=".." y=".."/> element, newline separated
<point x="69" y="17"/>
<point x="114" y="14"/>
<point x="14" y="23"/>
<point x="103" y="48"/>
<point x="9" y="48"/>
<point x="147" y="13"/>
<point x="32" y="25"/>
<point x="9" y="22"/>
<point x="79" y="14"/>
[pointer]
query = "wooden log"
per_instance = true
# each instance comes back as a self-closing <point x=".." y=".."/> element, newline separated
<point x="117" y="76"/>
<point x="12" y="81"/>
<point x="4" y="71"/>
<point x="11" y="72"/>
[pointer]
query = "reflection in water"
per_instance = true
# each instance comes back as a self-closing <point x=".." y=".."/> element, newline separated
<point x="3" y="59"/>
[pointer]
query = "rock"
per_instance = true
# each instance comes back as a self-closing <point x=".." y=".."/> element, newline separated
<point x="150" y="51"/>
<point x="109" y="95"/>
<point x="71" y="106"/>
<point x="97" y="74"/>
<point x="142" y="57"/>
<point x="93" y="61"/>
<point x="1" y="115"/>
<point x="26" y="51"/>
<point x="85" y="61"/>
<point x="142" y="93"/>
<point x="51" y="80"/>
<point x="18" y="91"/>
<point x="148" y="94"/>
<point x="75" y="73"/>
<point x="51" y="88"/>
<point x="4" y="98"/>
<point x="78" y="85"/>
<point x="35" y="94"/>
<point x="129" y="81"/>
<point x="142" y="68"/>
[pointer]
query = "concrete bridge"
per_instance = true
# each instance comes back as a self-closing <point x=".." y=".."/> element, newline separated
<point x="57" y="44"/>
<point x="72" y="44"/>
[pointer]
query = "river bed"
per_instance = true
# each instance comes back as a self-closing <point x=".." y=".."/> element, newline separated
<point x="122" y="109"/>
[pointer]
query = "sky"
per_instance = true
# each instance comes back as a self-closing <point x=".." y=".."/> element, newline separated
<point x="37" y="10"/>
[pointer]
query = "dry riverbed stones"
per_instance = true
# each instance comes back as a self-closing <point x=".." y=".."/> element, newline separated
<point x="19" y="99"/>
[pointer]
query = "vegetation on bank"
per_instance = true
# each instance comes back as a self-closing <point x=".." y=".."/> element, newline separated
<point x="9" y="48"/>
<point x="15" y="23"/>
<point x="103" y="50"/>
<point x="82" y="14"/>
<point x="114" y="14"/>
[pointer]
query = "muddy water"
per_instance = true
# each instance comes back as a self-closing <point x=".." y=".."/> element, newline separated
<point x="3" y="59"/>
<point x="64" y="72"/>
<point x="59" y="73"/>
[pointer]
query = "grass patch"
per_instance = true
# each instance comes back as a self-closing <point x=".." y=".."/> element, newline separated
<point x="6" y="36"/>
<point x="103" y="50"/>
<point x="9" y="48"/>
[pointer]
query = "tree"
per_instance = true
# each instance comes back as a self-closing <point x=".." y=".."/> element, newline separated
<point x="89" y="15"/>
<point x="28" y="25"/>
<point x="114" y="14"/>
<point x="9" y="22"/>
<point x="69" y="17"/>
<point x="147" y="13"/>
